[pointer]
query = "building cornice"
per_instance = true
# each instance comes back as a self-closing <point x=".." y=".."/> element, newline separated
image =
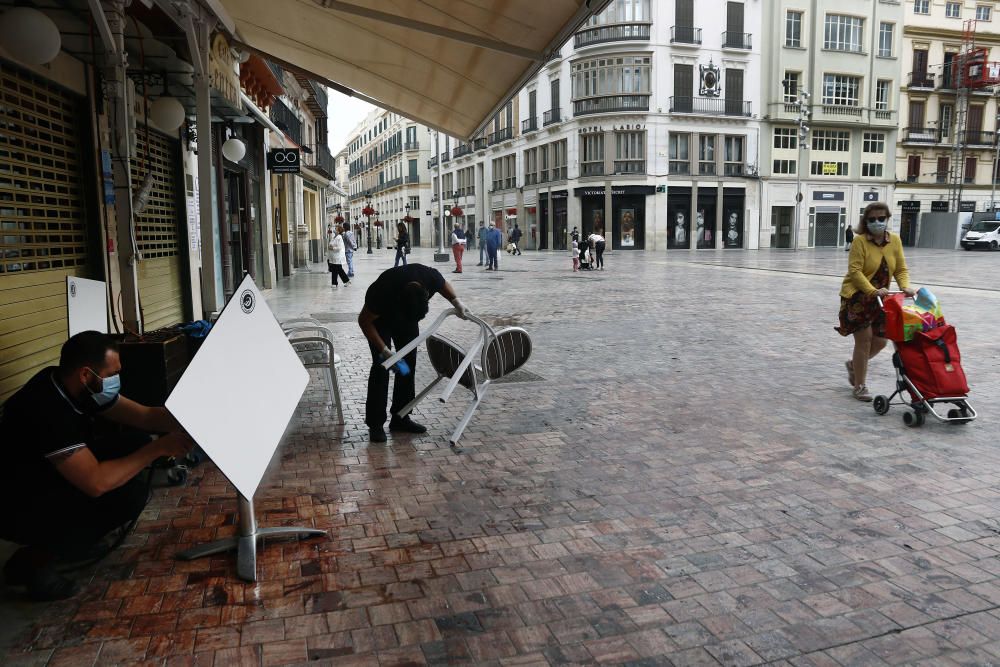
<point x="935" y="33"/>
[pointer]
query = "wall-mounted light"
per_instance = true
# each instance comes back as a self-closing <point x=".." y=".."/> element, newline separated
<point x="167" y="113"/>
<point x="234" y="149"/>
<point x="29" y="35"/>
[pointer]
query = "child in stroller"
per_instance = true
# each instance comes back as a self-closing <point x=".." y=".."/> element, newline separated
<point x="585" y="264"/>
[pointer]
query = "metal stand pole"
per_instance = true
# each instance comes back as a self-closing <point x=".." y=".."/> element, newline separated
<point x="246" y="542"/>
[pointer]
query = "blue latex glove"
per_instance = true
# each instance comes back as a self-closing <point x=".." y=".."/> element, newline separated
<point x="400" y="367"/>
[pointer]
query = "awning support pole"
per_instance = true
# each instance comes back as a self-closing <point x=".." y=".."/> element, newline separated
<point x="211" y="287"/>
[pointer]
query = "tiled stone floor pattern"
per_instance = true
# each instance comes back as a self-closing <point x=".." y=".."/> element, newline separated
<point x="687" y="482"/>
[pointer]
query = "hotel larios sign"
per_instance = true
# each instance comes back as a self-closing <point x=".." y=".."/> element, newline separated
<point x="222" y="71"/>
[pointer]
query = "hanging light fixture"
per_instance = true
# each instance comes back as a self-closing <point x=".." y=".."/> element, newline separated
<point x="29" y="35"/>
<point x="167" y="112"/>
<point x="234" y="149"/>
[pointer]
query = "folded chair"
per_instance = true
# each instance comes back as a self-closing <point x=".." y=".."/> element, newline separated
<point x="493" y="354"/>
<point x="313" y="342"/>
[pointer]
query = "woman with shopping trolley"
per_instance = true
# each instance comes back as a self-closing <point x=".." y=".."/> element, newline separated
<point x="876" y="257"/>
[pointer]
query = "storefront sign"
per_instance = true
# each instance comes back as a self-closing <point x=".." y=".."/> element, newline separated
<point x="222" y="70"/>
<point x="967" y="206"/>
<point x="939" y="206"/>
<point x="829" y="168"/>
<point x="617" y="127"/>
<point x="559" y="194"/>
<point x="871" y="196"/>
<point x="823" y="195"/>
<point x="909" y="205"/>
<point x="284" y="160"/>
<point x="617" y="191"/>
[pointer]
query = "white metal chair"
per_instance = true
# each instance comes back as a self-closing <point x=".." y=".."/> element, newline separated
<point x="498" y="353"/>
<point x="314" y="345"/>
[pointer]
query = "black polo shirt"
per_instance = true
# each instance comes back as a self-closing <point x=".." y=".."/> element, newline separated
<point x="384" y="295"/>
<point x="40" y="422"/>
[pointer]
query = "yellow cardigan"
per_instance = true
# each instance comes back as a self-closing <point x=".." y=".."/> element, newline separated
<point x="864" y="260"/>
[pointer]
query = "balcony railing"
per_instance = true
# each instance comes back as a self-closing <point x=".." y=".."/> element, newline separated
<point x="884" y="114"/>
<point x="841" y="110"/>
<point x="611" y="103"/>
<point x="682" y="34"/>
<point x="551" y="116"/>
<point x="411" y="179"/>
<point x="630" y="166"/>
<point x="978" y="138"/>
<point x="592" y="168"/>
<point x="529" y="125"/>
<point x="445" y="156"/>
<point x="710" y="106"/>
<point x="947" y="81"/>
<point x="920" y="80"/>
<point x="736" y="40"/>
<point x="463" y="149"/>
<point x="287" y="121"/>
<point x="922" y="135"/>
<point x="319" y="92"/>
<point x="324" y="160"/>
<point x="433" y="162"/>
<point x="480" y="143"/>
<point x="500" y="135"/>
<point x="611" y="33"/>
<point x="411" y="146"/>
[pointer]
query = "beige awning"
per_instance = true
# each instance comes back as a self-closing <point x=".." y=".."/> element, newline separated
<point x="450" y="64"/>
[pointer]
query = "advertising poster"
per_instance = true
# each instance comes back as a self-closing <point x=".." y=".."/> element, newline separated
<point x="626" y="228"/>
<point x="732" y="230"/>
<point x="678" y="228"/>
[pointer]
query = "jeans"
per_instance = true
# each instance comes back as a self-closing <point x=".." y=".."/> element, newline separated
<point x="491" y="258"/>
<point x="396" y="333"/>
<point x="599" y="260"/>
<point x="400" y="255"/>
<point x="482" y="252"/>
<point x="350" y="263"/>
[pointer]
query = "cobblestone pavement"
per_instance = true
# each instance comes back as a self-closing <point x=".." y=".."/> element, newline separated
<point x="678" y="476"/>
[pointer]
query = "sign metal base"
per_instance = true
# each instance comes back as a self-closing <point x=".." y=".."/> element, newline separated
<point x="246" y="542"/>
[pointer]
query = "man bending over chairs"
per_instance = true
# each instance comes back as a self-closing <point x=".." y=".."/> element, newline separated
<point x="394" y="304"/>
<point x="61" y="487"/>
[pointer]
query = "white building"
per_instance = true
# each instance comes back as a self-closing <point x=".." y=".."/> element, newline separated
<point x="387" y="167"/>
<point x="845" y="54"/>
<point x="645" y="122"/>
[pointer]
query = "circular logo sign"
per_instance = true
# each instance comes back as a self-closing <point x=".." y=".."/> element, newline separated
<point x="247" y="301"/>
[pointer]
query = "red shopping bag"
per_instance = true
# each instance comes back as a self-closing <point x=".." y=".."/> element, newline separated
<point x="933" y="363"/>
<point x="893" y="307"/>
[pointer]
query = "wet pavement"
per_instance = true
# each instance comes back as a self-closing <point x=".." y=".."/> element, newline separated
<point x="679" y="475"/>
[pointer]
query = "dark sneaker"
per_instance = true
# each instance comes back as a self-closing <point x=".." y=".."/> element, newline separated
<point x="376" y="434"/>
<point x="406" y="425"/>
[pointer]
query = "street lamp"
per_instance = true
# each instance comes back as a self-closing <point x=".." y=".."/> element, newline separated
<point x="805" y="114"/>
<point x="368" y="212"/>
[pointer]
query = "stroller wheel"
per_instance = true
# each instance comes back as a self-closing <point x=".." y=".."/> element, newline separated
<point x="177" y="475"/>
<point x="913" y="419"/>
<point x="961" y="416"/>
<point x="881" y="404"/>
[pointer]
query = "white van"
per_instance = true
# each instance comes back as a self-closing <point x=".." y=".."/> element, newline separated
<point x="982" y="234"/>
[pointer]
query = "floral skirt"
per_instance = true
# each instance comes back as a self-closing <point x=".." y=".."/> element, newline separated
<point x="860" y="310"/>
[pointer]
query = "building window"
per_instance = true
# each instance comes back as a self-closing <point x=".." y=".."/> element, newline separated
<point x="873" y="142"/>
<point x="592" y="154"/>
<point x="941" y="175"/>
<point x="509" y="171"/>
<point x="791" y="86"/>
<point x="559" y="160"/>
<point x="822" y="168"/>
<point x="531" y="166"/>
<point x="871" y="170"/>
<point x="885" y="31"/>
<point x="783" y="167"/>
<point x="882" y="88"/>
<point x="841" y="90"/>
<point x="843" y="33"/>
<point x="732" y="156"/>
<point x="912" y="168"/>
<point x="706" y="154"/>
<point x="953" y="10"/>
<point x="630" y="152"/>
<point x="680" y="157"/>
<point x="983" y="13"/>
<point x="622" y="75"/>
<point x="921" y="6"/>
<point x="947" y="113"/>
<point x="793" y="29"/>
<point x="786" y="137"/>
<point x="969" y="175"/>
<point x="831" y="140"/>
<point x="543" y="166"/>
<point x="622" y="11"/>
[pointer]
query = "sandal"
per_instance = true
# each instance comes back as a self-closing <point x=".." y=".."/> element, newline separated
<point x="850" y="371"/>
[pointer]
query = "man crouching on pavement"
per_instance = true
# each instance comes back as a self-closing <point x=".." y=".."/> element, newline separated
<point x="61" y="487"/>
<point x="394" y="304"/>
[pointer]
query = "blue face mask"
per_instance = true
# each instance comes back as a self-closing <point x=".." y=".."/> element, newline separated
<point x="876" y="228"/>
<point x="110" y="387"/>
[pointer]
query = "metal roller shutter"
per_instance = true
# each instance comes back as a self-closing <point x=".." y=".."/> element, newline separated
<point x="42" y="220"/>
<point x="158" y="233"/>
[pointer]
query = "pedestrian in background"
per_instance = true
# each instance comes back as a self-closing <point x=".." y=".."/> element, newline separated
<point x="848" y="236"/>
<point x="575" y="254"/>
<point x="515" y="238"/>
<point x="402" y="243"/>
<point x="481" y="239"/>
<point x="335" y="257"/>
<point x="458" y="246"/>
<point x="493" y="241"/>
<point x="350" y="245"/>
<point x="876" y="258"/>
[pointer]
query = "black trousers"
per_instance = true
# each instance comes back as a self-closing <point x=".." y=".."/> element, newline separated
<point x="599" y="260"/>
<point x="337" y="270"/>
<point x="395" y="333"/>
<point x="63" y="516"/>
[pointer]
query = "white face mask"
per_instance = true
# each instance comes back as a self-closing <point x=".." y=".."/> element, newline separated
<point x="877" y="228"/>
